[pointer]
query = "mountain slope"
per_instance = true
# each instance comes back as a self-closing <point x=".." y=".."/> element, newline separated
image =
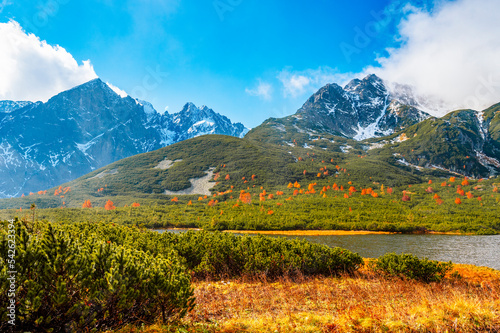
<point x="7" y="107"/>
<point x="218" y="162"/>
<point x="85" y="128"/>
<point x="464" y="142"/>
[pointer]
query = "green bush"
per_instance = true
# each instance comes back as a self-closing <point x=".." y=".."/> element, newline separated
<point x="217" y="254"/>
<point x="71" y="282"/>
<point x="412" y="267"/>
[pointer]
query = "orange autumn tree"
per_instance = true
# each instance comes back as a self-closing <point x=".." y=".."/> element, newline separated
<point x="245" y="197"/>
<point x="109" y="205"/>
<point x="87" y="204"/>
<point x="135" y="204"/>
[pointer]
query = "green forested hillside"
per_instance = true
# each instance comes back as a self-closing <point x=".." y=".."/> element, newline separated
<point x="270" y="165"/>
<point x="396" y="183"/>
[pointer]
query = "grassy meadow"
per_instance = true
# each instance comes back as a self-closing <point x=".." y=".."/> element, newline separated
<point x="467" y="301"/>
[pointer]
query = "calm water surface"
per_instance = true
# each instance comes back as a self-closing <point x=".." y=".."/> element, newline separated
<point x="476" y="250"/>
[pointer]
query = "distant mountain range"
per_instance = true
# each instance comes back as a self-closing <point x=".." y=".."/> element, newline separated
<point x="90" y="126"/>
<point x="389" y="118"/>
<point x="85" y="128"/>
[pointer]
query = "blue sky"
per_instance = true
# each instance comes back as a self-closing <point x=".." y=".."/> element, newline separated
<point x="249" y="60"/>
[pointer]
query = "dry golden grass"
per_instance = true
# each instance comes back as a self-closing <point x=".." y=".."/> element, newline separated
<point x="309" y="232"/>
<point x="361" y="303"/>
<point x="364" y="303"/>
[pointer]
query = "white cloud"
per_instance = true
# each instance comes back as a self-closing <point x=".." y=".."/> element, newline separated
<point x="263" y="90"/>
<point x="452" y="52"/>
<point x="297" y="83"/>
<point x="33" y="70"/>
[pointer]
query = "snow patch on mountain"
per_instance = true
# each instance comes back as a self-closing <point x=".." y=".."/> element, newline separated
<point x="483" y="130"/>
<point x="117" y="90"/>
<point x="244" y="132"/>
<point x="488" y="162"/>
<point x="373" y="129"/>
<point x="7" y="155"/>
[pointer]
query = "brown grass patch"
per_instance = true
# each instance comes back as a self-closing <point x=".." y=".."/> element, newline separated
<point x="361" y="303"/>
<point x="364" y="303"/>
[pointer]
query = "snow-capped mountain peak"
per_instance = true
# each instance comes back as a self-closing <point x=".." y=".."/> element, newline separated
<point x="88" y="127"/>
<point x="117" y="90"/>
<point x="362" y="109"/>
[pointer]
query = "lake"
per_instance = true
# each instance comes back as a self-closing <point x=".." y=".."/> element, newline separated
<point x="476" y="250"/>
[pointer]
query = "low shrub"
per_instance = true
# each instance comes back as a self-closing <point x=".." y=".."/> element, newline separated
<point x="412" y="267"/>
<point x="70" y="283"/>
<point x="217" y="254"/>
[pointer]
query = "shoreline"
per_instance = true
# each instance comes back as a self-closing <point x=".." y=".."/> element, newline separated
<point x="323" y="232"/>
<point x="311" y="232"/>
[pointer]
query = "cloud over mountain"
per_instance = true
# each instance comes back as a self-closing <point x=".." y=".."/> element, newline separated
<point x="451" y="51"/>
<point x="34" y="70"/>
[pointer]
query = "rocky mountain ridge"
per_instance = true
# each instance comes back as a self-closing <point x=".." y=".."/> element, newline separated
<point x="85" y="128"/>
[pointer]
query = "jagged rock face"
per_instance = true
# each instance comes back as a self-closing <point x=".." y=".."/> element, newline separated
<point x="85" y="128"/>
<point x="193" y="121"/>
<point x="7" y="107"/>
<point x="399" y="116"/>
<point x="362" y="109"/>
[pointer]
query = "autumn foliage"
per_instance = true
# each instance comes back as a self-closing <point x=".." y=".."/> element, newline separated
<point x="245" y="197"/>
<point x="87" y="204"/>
<point x="109" y="205"/>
